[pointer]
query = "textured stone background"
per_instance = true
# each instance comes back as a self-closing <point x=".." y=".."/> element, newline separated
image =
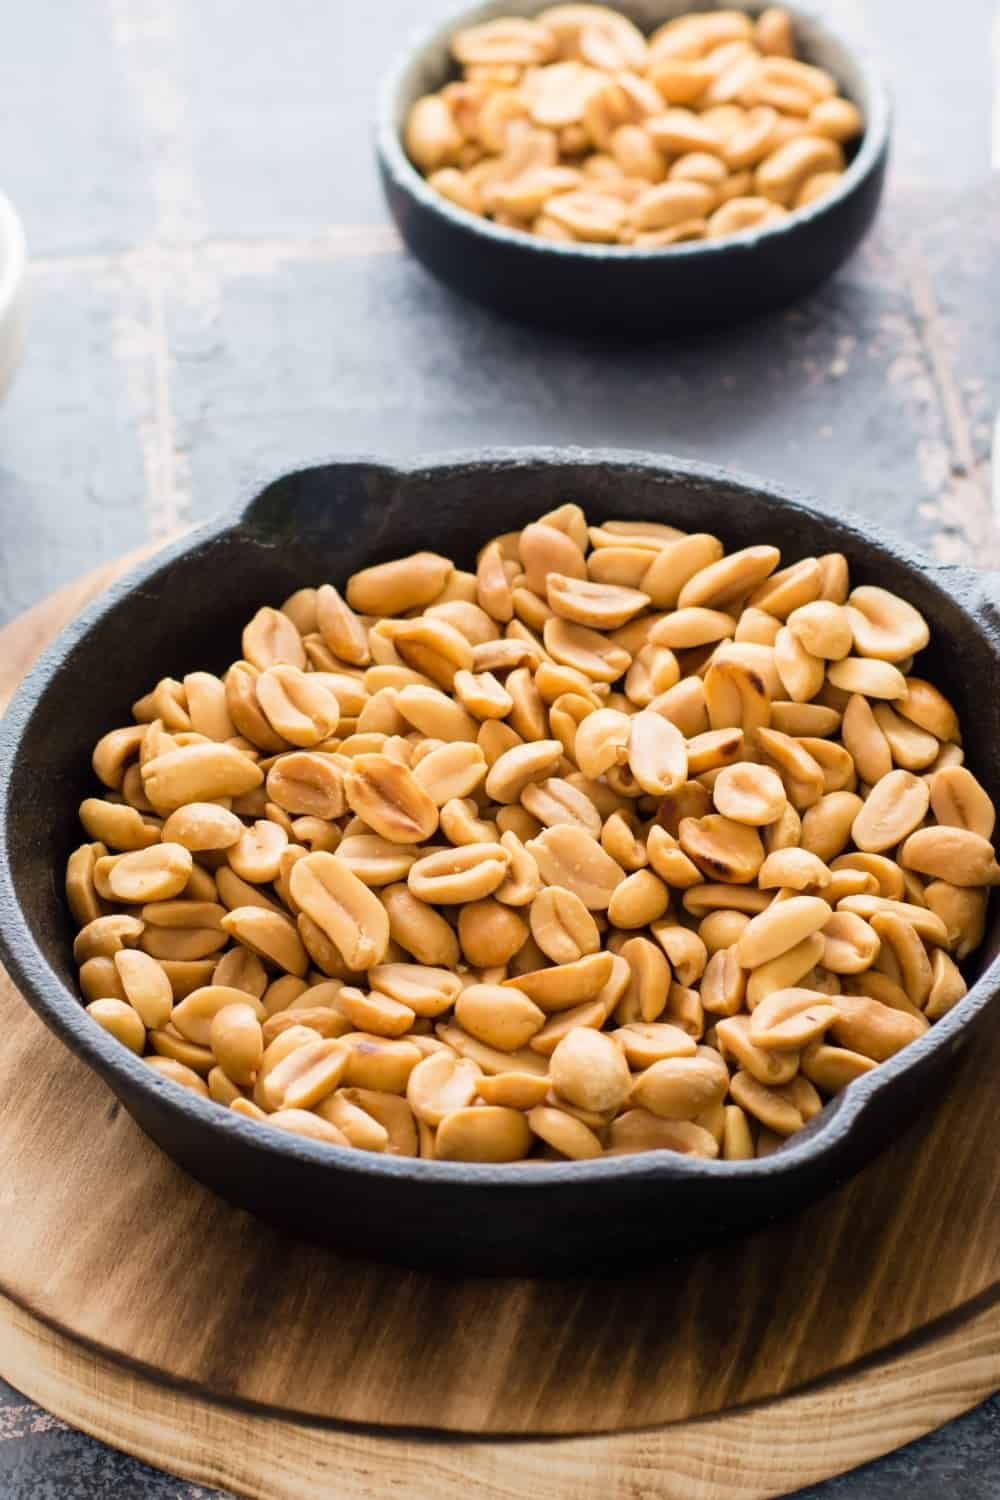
<point x="218" y="296"/>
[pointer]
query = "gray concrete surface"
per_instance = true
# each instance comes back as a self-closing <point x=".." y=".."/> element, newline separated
<point x="218" y="296"/>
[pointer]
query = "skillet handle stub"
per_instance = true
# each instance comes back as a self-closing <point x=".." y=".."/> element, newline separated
<point x="327" y="501"/>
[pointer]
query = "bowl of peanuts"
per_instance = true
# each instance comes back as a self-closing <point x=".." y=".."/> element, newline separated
<point x="652" y="167"/>
<point x="511" y="862"/>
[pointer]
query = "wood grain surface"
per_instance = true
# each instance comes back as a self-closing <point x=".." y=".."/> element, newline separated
<point x="764" y="1451"/>
<point x="110" y="1243"/>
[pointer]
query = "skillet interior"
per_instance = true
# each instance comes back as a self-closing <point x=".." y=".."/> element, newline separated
<point x="187" y="611"/>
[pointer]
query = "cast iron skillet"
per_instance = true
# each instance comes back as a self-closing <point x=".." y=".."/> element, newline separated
<point x="185" y="609"/>
<point x="618" y="289"/>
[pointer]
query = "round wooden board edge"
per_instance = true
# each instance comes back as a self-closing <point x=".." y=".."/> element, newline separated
<point x="759" y="1452"/>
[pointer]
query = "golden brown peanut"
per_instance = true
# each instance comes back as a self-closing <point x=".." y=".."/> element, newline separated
<point x="453" y="876"/>
<point x="957" y="855"/>
<point x="571" y="858"/>
<point x="374" y="860"/>
<point x="386" y="1109"/>
<point x="375" y="1013"/>
<point x="779" y="928"/>
<point x="669" y="860"/>
<point x="460" y="825"/>
<point x="198" y="773"/>
<point x="425" y="990"/>
<point x="773" y="1107"/>
<point x="657" y="755"/>
<point x="236" y="1039"/>
<point x="873" y="1029"/>
<point x="641" y="898"/>
<point x="298" y="706"/>
<point x="588" y="651"/>
<point x="199" y="826"/>
<point x="256" y="854"/>
<point x="176" y="1072"/>
<point x="114" y="751"/>
<point x="487" y="1133"/>
<point x="565" y="985"/>
<point x="498" y="1016"/>
<point x="168" y="1042"/>
<point x="885" y="626"/>
<point x="441" y="1083"/>
<point x="603" y="606"/>
<point x="512" y="771"/>
<point x="419" y="929"/>
<point x="121" y="1020"/>
<point x="562" y="926"/>
<point x="961" y="911"/>
<point x="154" y="874"/>
<point x="639" y="1130"/>
<point x="491" y="933"/>
<point x="379" y="1063"/>
<point x="104" y="937"/>
<point x="81" y="893"/>
<point x="360" y="1128"/>
<point x="870" y="678"/>
<point x="959" y="801"/>
<point x="340" y="627"/>
<point x="569" y="1136"/>
<point x="788" y="1020"/>
<point x="304" y="1122"/>
<point x="619" y="838"/>
<point x="117" y="825"/>
<point x="833" y="1068"/>
<point x="647" y="981"/>
<point x="307" y="783"/>
<point x="681" y="1088"/>
<point x="724" y="983"/>
<point x="514" y="1090"/>
<point x="720" y="929"/>
<point x="746" y="793"/>
<point x="927" y="707"/>
<point x="557" y="802"/>
<point x="768" y="1065"/>
<point x="865" y="741"/>
<point x="390" y="799"/>
<point x="827" y="824"/>
<point x="146" y="986"/>
<point x="947" y="986"/>
<point x="721" y="848"/>
<point x="909" y="954"/>
<point x="590" y="1071"/>
<point x="850" y="945"/>
<point x="684" y="949"/>
<point x="347" y="912"/>
<point x="392" y="588"/>
<point x="896" y="806"/>
<point x="645" y="1043"/>
<point x="912" y="748"/>
<point x="602" y="741"/>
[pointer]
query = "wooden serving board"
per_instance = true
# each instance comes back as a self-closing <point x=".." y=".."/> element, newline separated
<point x="142" y="1308"/>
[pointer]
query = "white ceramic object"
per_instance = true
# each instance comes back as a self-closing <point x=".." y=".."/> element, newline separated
<point x="13" y="292"/>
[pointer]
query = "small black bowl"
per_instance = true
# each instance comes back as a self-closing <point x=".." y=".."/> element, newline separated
<point x="185" y="609"/>
<point x="617" y="289"/>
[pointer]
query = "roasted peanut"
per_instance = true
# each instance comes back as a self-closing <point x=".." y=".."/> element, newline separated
<point x="526" y="772"/>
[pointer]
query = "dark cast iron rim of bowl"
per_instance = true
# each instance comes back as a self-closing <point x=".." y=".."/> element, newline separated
<point x="405" y="176"/>
<point x="62" y="1009"/>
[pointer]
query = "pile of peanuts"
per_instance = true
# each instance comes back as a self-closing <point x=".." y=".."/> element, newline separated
<point x="575" y="127"/>
<point x="619" y="843"/>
